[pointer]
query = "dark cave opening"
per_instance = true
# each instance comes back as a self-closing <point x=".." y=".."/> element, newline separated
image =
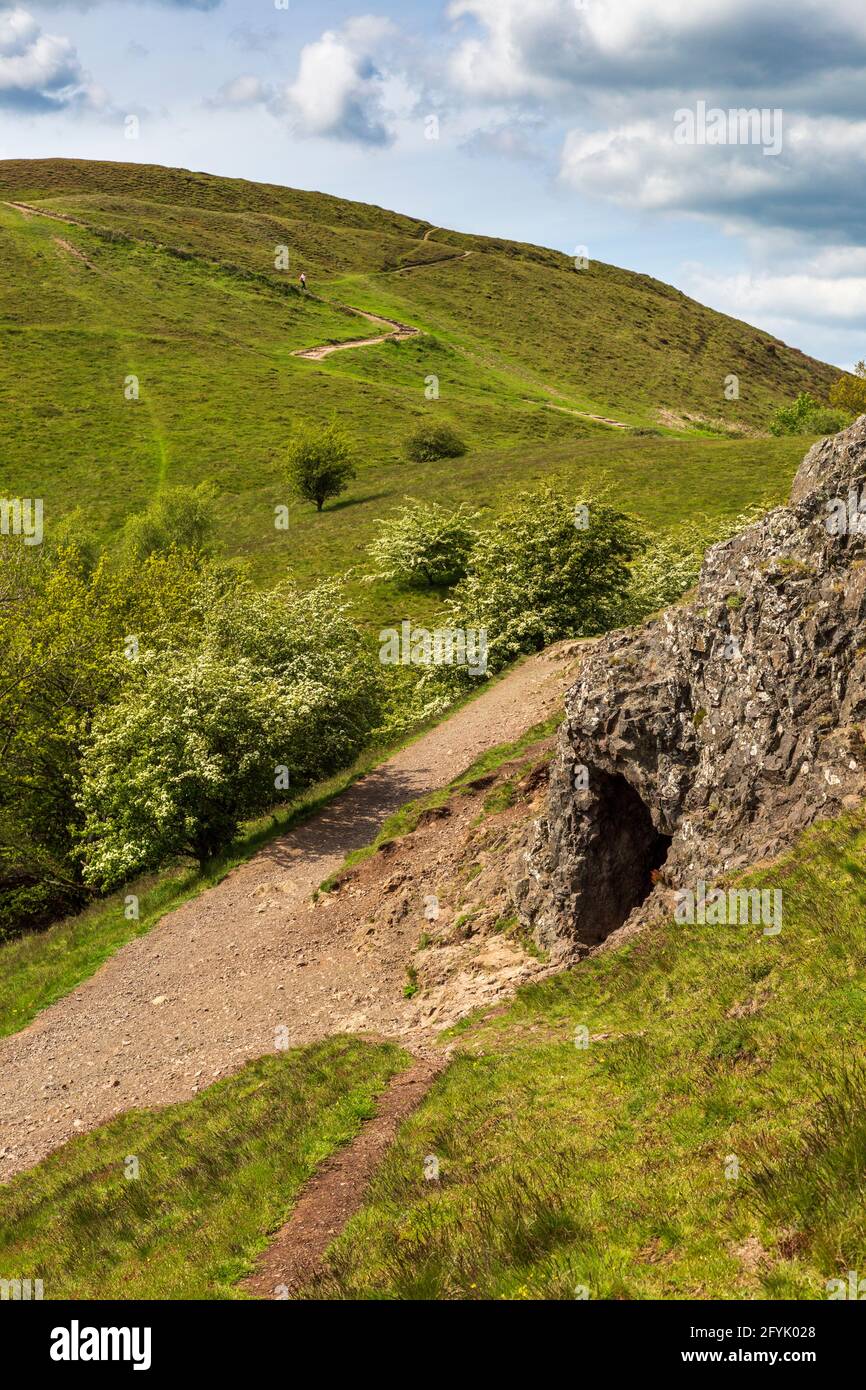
<point x="627" y="849"/>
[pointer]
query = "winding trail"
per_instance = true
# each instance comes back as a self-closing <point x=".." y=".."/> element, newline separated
<point x="204" y="991"/>
<point x="400" y="331"/>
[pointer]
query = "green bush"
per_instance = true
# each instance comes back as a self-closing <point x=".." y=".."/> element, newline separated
<point x="279" y="691"/>
<point x="180" y="518"/>
<point x="538" y="573"/>
<point x="431" y="442"/>
<point x="808" y="416"/>
<point x="423" y="543"/>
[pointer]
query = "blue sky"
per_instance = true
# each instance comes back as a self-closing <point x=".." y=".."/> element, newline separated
<point x="559" y="122"/>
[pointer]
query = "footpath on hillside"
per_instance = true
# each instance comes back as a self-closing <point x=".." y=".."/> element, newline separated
<point x="210" y="986"/>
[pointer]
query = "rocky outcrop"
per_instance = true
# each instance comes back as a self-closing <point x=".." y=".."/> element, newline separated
<point x="705" y="740"/>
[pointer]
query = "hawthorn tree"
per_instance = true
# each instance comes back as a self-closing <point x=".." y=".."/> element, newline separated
<point x="423" y="543"/>
<point x="175" y="765"/>
<point x="544" y="569"/>
<point x="320" y="463"/>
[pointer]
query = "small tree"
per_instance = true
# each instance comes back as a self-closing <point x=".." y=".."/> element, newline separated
<point x="180" y="518"/>
<point x="320" y="463"/>
<point x="849" y="392"/>
<point x="423" y="542"/>
<point x="538" y="573"/>
<point x="186" y="753"/>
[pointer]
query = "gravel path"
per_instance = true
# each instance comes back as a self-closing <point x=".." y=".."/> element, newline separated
<point x="248" y="962"/>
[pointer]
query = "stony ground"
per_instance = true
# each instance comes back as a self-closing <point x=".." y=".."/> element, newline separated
<point x="255" y="963"/>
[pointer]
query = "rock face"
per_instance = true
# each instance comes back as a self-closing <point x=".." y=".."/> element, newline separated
<point x="706" y="739"/>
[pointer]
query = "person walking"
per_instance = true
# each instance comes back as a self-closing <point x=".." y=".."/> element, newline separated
<point x="303" y="280"/>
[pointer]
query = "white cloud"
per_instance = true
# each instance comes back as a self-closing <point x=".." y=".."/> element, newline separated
<point x="556" y="49"/>
<point x="245" y="90"/>
<point x="811" y="185"/>
<point x="338" y="92"/>
<point x="39" y="71"/>
<point x="829" y="288"/>
<point x="794" y="297"/>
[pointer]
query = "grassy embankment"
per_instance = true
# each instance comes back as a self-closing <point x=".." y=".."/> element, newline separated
<point x="177" y="1203"/>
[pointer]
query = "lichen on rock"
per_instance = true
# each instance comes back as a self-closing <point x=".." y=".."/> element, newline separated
<point x="707" y="739"/>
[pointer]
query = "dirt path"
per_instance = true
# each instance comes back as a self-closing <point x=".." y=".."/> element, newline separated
<point x="27" y="210"/>
<point x="337" y="1190"/>
<point x="400" y="331"/>
<point x="583" y="414"/>
<point x="252" y="960"/>
<point x="412" y="266"/>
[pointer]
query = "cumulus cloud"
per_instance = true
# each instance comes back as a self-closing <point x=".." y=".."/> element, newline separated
<point x="618" y="70"/>
<point x="811" y="185"/>
<point x="338" y="92"/>
<point x="39" y="71"/>
<point x="553" y="49"/>
<point x="806" y="295"/>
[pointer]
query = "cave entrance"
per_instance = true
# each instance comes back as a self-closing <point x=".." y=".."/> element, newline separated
<point x="627" y="849"/>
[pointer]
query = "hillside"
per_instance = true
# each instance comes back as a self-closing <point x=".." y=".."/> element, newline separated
<point x="113" y="270"/>
<point x="677" y="1114"/>
<point x="651" y="1124"/>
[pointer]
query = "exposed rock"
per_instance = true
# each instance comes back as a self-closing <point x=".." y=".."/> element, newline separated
<point x="712" y="735"/>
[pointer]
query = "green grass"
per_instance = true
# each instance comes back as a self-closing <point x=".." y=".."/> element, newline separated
<point x="217" y="1175"/>
<point x="406" y="818"/>
<point x="183" y="294"/>
<point x="603" y="1168"/>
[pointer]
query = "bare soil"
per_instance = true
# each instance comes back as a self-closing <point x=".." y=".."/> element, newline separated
<point x="255" y="963"/>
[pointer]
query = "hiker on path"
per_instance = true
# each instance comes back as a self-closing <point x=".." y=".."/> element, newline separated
<point x="303" y="280"/>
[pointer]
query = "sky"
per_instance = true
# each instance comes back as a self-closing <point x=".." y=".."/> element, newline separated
<point x="596" y="124"/>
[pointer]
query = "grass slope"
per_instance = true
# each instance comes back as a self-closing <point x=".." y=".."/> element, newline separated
<point x="169" y="276"/>
<point x="217" y="1175"/>
<point x="710" y="1142"/>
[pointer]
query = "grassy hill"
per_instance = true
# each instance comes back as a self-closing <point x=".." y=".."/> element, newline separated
<point x="679" y="1118"/>
<point x="170" y="276"/>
